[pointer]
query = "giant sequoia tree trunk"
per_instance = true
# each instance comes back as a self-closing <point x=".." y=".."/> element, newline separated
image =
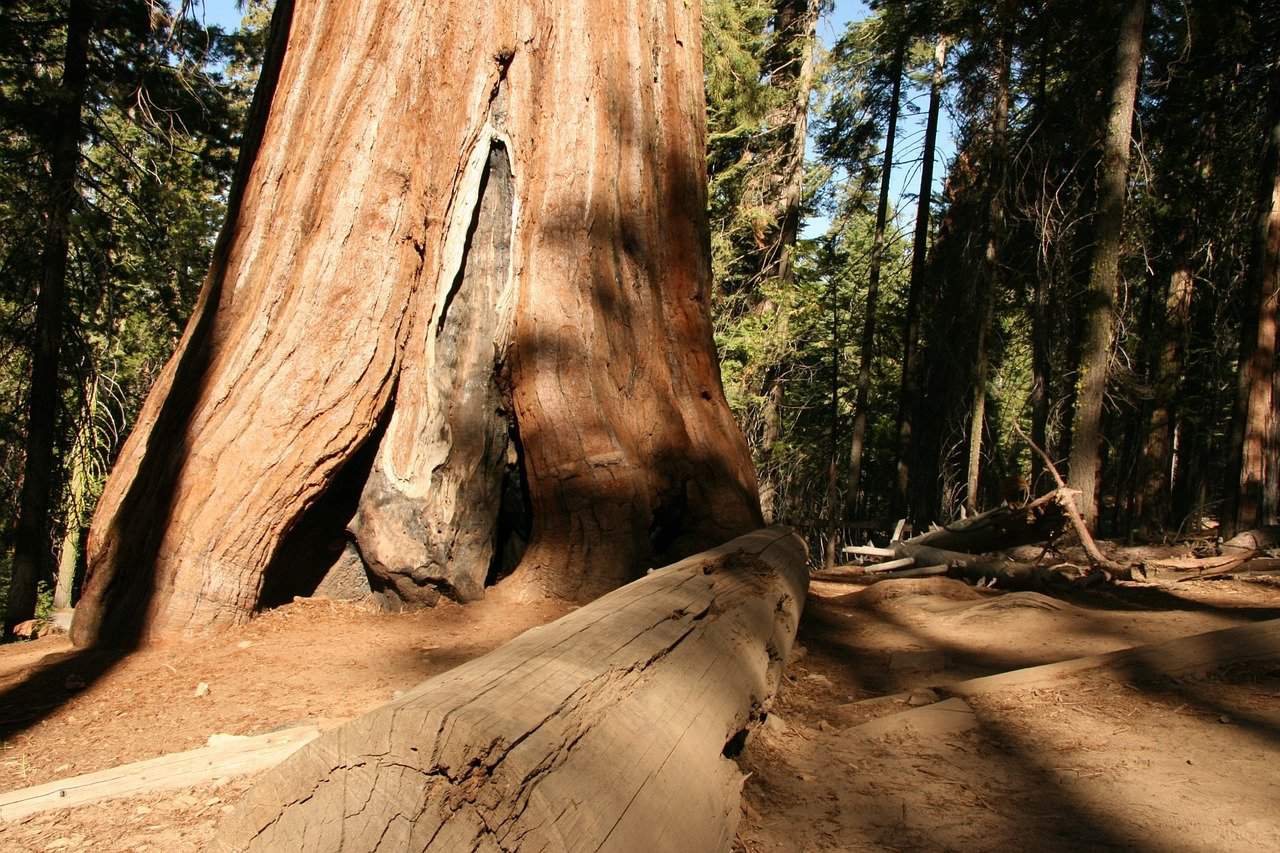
<point x="461" y="297"/>
<point x="1091" y="384"/>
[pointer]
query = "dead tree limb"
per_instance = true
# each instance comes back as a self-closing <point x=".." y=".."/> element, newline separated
<point x="1068" y="500"/>
<point x="611" y="729"/>
<point x="1003" y="527"/>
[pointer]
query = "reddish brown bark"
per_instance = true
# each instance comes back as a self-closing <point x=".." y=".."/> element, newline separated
<point x="433" y="182"/>
<point x="1154" y="494"/>
<point x="1253" y="501"/>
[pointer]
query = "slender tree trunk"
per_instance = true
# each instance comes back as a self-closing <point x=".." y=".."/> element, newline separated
<point x="1155" y="489"/>
<point x="978" y="407"/>
<point x="1197" y="414"/>
<point x="443" y="212"/>
<point x="1250" y="501"/>
<point x="1042" y="378"/>
<point x="69" y="556"/>
<point x="32" y="540"/>
<point x="1041" y="342"/>
<point x="1091" y="382"/>
<point x="992" y="279"/>
<point x="858" y="440"/>
<point x="919" y="256"/>
<point x="833" y="470"/>
<point x="790" y="14"/>
<point x="771" y="434"/>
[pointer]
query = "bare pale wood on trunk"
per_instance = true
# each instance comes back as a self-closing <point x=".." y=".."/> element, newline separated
<point x="387" y="281"/>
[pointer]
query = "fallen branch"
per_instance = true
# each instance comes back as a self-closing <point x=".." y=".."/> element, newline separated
<point x="1234" y="553"/>
<point x="1004" y="527"/>
<point x="1068" y="500"/>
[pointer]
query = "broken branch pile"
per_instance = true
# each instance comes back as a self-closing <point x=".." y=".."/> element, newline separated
<point x="1232" y="555"/>
<point x="965" y="549"/>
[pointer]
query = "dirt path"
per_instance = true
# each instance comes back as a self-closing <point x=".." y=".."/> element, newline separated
<point x="311" y="661"/>
<point x="1090" y="763"/>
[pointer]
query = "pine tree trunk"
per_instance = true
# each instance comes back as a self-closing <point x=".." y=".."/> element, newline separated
<point x="919" y="256"/>
<point x="857" y="445"/>
<point x="32" y="540"/>
<point x="992" y="280"/>
<point x="832" y="538"/>
<point x="802" y="16"/>
<point x="1155" y="487"/>
<point x="465" y="266"/>
<point x="1251" y="492"/>
<point x="1042" y="377"/>
<point x="77" y="501"/>
<point x="771" y="434"/>
<point x="1041" y="345"/>
<point x="1091" y="384"/>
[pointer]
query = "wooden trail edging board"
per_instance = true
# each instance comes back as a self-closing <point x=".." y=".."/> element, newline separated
<point x="612" y="729"/>
<point x="226" y="756"/>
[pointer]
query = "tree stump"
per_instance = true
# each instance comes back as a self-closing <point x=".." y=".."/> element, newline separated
<point x="613" y="728"/>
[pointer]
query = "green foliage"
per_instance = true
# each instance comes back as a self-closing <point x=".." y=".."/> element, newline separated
<point x="163" y="105"/>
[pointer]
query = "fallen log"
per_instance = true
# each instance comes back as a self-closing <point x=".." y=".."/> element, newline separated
<point x="868" y="551"/>
<point x="1234" y="553"/>
<point x="1010" y="574"/>
<point x="613" y="728"/>
<point x="916" y="572"/>
<point x="891" y="565"/>
<point x="1041" y="520"/>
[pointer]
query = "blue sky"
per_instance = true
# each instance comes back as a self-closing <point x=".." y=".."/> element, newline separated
<point x="906" y="175"/>
<point x="905" y="181"/>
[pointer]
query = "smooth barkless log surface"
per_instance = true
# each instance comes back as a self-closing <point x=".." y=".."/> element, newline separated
<point x="613" y="728"/>
<point x="457" y="317"/>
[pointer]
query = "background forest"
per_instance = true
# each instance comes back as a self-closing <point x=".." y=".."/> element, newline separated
<point x="1095" y="273"/>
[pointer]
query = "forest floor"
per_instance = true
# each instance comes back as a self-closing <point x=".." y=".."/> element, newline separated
<point x="1086" y="762"/>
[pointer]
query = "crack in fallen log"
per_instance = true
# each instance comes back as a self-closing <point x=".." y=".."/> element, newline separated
<point x="485" y="756"/>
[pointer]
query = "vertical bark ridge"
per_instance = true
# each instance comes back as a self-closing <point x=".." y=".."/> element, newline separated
<point x="332" y="269"/>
